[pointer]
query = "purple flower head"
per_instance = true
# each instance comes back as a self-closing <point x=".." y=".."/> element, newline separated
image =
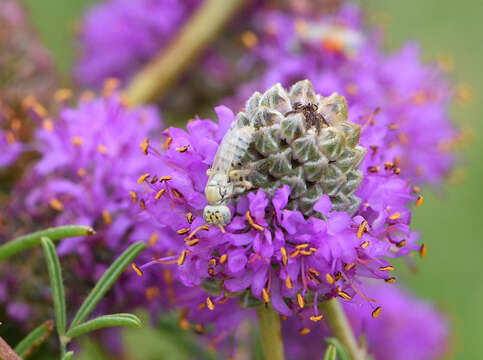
<point x="400" y="103"/>
<point x="269" y="252"/>
<point x="407" y="328"/>
<point x="119" y="36"/>
<point x="10" y="147"/>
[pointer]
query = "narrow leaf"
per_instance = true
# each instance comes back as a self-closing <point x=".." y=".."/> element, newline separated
<point x="56" y="284"/>
<point x="106" y="282"/>
<point x="68" y="355"/>
<point x="341" y="352"/>
<point x="36" y="337"/>
<point x="330" y="353"/>
<point x="31" y="240"/>
<point x="104" y="321"/>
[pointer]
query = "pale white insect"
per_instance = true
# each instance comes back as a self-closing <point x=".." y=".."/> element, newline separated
<point x="227" y="177"/>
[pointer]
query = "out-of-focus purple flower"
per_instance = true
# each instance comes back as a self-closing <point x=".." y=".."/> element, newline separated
<point x="270" y="253"/>
<point x="10" y="147"/>
<point x="407" y="328"/>
<point x="401" y="104"/>
<point x="119" y="36"/>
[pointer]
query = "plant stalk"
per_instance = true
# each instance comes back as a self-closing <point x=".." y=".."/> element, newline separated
<point x="6" y="352"/>
<point x="270" y="333"/>
<point x="338" y="323"/>
<point x="155" y="78"/>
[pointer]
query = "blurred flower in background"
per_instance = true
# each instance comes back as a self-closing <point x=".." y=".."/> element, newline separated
<point x="408" y="328"/>
<point x="120" y="36"/>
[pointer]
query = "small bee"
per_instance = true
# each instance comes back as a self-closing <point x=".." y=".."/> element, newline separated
<point x="312" y="117"/>
<point x="227" y="177"/>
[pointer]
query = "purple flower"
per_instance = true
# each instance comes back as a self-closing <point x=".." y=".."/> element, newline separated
<point x="119" y="36"/>
<point x="267" y="252"/>
<point x="10" y="148"/>
<point x="407" y="328"/>
<point x="401" y="104"/>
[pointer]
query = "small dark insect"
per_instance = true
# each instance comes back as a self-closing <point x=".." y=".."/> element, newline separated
<point x="312" y="117"/>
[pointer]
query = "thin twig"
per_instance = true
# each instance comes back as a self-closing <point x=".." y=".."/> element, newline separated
<point x="6" y="352"/>
<point x="155" y="78"/>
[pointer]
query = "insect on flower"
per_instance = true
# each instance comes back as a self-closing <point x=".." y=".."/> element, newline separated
<point x="294" y="138"/>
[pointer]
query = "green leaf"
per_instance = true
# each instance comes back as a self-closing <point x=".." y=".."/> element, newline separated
<point x="330" y="353"/>
<point x="104" y="321"/>
<point x="68" y="355"/>
<point x="106" y="282"/>
<point x="36" y="337"/>
<point x="31" y="240"/>
<point x="56" y="283"/>
<point x="341" y="352"/>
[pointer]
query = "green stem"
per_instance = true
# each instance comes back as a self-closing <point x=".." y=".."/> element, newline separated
<point x="270" y="333"/>
<point x="160" y="73"/>
<point x="31" y="240"/>
<point x="338" y="323"/>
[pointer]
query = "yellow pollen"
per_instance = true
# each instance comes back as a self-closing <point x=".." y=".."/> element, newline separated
<point x="168" y="142"/>
<point x="62" y="95"/>
<point x="422" y="251"/>
<point x="193" y="242"/>
<point x="133" y="196"/>
<point x="294" y="254"/>
<point x="183" y="148"/>
<point x="390" y="280"/>
<point x="223" y="258"/>
<point x="348" y="267"/>
<point x="314" y="272"/>
<point x="388" y="165"/>
<point x="420" y="200"/>
<point x="305" y="253"/>
<point x="396" y="161"/>
<point x="386" y="268"/>
<point x="202" y="227"/>
<point x="365" y="244"/>
<point x="56" y="204"/>
<point x="344" y="295"/>
<point x="40" y="110"/>
<point x="376" y="312"/>
<point x="177" y="194"/>
<point x="403" y="138"/>
<point x="153" y="239"/>
<point x="313" y="249"/>
<point x="184" y="324"/>
<point x="401" y="244"/>
<point x="397" y="171"/>
<point x="249" y="39"/>
<point x="362" y="228"/>
<point x="199" y="328"/>
<point x="210" y="304"/>
<point x="395" y="216"/>
<point x="302" y="246"/>
<point x="159" y="194"/>
<point x="373" y="169"/>
<point x="304" y="331"/>
<point x="288" y="282"/>
<point x="393" y="127"/>
<point x="110" y="85"/>
<point x="142" y="178"/>
<point x="330" y="279"/>
<point x="106" y="216"/>
<point x="81" y="172"/>
<point x="316" y="318"/>
<point x="266" y="295"/>
<point x="189" y="218"/>
<point x="142" y="204"/>
<point x="252" y="223"/>
<point x="284" y="255"/>
<point x="201" y="306"/>
<point x="48" y="125"/>
<point x="144" y="146"/>
<point x="212" y="262"/>
<point x="152" y="292"/>
<point x="136" y="269"/>
<point x="165" y="178"/>
<point x="182" y="258"/>
<point x="102" y="149"/>
<point x="76" y="140"/>
<point x="300" y="300"/>
<point x="183" y="231"/>
<point x="416" y="189"/>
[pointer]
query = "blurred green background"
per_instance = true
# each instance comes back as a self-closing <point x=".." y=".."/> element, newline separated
<point x="450" y="220"/>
